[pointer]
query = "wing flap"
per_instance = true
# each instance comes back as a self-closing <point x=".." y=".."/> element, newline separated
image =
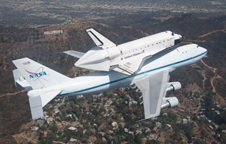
<point x="153" y="90"/>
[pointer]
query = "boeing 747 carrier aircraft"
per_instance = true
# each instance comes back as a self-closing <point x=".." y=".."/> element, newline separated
<point x="144" y="62"/>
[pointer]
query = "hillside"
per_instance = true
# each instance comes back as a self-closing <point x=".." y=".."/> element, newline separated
<point x="47" y="49"/>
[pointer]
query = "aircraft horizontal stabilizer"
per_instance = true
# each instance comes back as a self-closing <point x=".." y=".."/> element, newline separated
<point x="74" y="53"/>
<point x="20" y="81"/>
<point x="38" y="102"/>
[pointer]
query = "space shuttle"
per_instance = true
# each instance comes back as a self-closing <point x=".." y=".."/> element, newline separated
<point x="126" y="58"/>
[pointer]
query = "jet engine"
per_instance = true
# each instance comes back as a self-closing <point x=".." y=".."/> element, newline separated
<point x="173" y="86"/>
<point x="169" y="102"/>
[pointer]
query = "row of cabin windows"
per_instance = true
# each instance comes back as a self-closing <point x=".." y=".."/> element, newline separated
<point x="148" y="46"/>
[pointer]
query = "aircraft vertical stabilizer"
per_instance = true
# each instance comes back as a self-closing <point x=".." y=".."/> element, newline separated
<point x="37" y="75"/>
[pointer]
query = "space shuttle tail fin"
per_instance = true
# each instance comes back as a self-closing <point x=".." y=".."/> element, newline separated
<point x="37" y="75"/>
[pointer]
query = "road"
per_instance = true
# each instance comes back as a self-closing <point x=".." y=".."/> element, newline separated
<point x="9" y="94"/>
<point x="211" y="33"/>
<point x="23" y="134"/>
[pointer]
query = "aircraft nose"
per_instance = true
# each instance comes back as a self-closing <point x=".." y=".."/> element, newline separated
<point x="203" y="50"/>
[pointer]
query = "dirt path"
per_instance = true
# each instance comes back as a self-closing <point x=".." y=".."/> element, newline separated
<point x="9" y="94"/>
<point x="211" y="33"/>
<point x="217" y="76"/>
<point x="214" y="77"/>
<point x="23" y="134"/>
<point x="212" y="69"/>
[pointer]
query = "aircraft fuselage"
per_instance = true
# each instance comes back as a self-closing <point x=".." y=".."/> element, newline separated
<point x="103" y="81"/>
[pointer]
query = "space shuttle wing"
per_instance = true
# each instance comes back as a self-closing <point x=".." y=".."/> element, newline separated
<point x="131" y="65"/>
<point x="153" y="90"/>
<point x="99" y="39"/>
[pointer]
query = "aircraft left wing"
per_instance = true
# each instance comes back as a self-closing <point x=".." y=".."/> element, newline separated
<point x="99" y="39"/>
<point x="153" y="91"/>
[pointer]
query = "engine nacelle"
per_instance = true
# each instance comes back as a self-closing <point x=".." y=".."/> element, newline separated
<point x="169" y="102"/>
<point x="173" y="86"/>
<point x="113" y="52"/>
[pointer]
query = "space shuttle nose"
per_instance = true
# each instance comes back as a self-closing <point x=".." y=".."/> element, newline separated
<point x="178" y="39"/>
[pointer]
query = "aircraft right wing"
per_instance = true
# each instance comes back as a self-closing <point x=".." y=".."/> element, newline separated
<point x="99" y="39"/>
<point x="153" y="91"/>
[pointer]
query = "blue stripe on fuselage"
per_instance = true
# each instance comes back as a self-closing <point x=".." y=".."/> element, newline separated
<point x="132" y="75"/>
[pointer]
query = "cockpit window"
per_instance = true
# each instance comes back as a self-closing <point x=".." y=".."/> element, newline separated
<point x="172" y="34"/>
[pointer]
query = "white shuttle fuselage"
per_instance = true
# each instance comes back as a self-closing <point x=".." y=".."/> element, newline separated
<point x="126" y="58"/>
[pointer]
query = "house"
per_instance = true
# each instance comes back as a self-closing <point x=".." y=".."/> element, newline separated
<point x="121" y="89"/>
<point x="128" y="96"/>
<point x="135" y="102"/>
<point x="56" y="110"/>
<point x="126" y="130"/>
<point x="110" y="131"/>
<point x="102" y="133"/>
<point x="185" y="121"/>
<point x="146" y="129"/>
<point x="165" y="114"/>
<point x="69" y="115"/>
<point x="114" y="124"/>
<point x="64" y="123"/>
<point x="84" y="131"/>
<point x="73" y="140"/>
<point x="73" y="129"/>
<point x="45" y="133"/>
<point x="158" y="124"/>
<point x="49" y="120"/>
<point x="34" y="128"/>
<point x="155" y="129"/>
<point x="130" y="103"/>
<point x="130" y="132"/>
<point x="169" y="126"/>
<point x="79" y="96"/>
<point x="217" y="112"/>
<point x="125" y="142"/>
<point x="189" y="118"/>
<point x="152" y="136"/>
<point x="40" y="123"/>
<point x="93" y="131"/>
<point x="138" y="132"/>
